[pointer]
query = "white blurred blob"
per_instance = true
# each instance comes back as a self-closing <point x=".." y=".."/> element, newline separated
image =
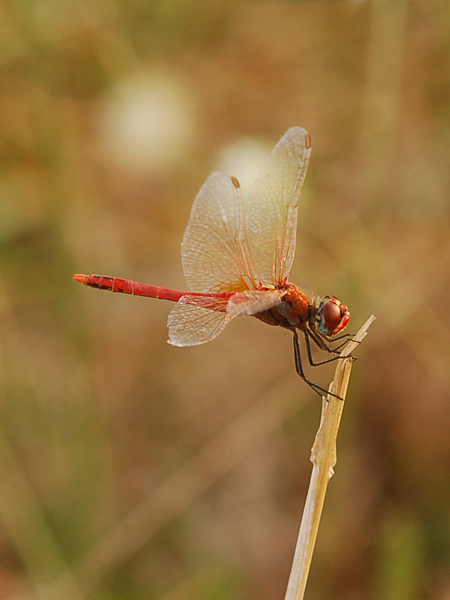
<point x="244" y="160"/>
<point x="147" y="123"/>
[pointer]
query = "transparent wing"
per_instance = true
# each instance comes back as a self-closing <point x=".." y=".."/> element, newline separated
<point x="271" y="211"/>
<point x="194" y="321"/>
<point x="213" y="253"/>
<point x="248" y="303"/>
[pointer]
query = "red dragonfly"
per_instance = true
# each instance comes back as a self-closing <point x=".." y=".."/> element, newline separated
<point x="237" y="256"/>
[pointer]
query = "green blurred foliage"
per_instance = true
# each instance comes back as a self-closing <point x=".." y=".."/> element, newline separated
<point x="131" y="469"/>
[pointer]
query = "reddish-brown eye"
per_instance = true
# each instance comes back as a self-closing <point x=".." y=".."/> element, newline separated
<point x="332" y="316"/>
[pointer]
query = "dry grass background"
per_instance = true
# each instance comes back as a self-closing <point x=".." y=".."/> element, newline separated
<point x="130" y="469"/>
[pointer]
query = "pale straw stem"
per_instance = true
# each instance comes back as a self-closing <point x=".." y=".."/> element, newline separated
<point x="323" y="457"/>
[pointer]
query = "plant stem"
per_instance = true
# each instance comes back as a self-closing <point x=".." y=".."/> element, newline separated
<point x="323" y="457"/>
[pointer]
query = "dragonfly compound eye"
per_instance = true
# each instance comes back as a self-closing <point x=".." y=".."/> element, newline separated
<point x="332" y="316"/>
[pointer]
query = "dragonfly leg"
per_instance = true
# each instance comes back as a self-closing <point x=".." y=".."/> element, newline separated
<point x="300" y="371"/>
<point x="346" y="337"/>
<point x="323" y="345"/>
<point x="311" y="360"/>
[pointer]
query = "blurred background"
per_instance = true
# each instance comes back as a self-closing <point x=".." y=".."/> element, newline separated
<point x="130" y="469"/>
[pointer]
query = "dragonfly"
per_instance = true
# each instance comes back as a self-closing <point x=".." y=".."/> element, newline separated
<point x="237" y="256"/>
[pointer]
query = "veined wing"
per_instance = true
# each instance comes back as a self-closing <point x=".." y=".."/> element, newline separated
<point x="196" y="320"/>
<point x="271" y="211"/>
<point x="251" y="302"/>
<point x="213" y="252"/>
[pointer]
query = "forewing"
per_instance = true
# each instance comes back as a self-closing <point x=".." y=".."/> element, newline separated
<point x="196" y="320"/>
<point x="251" y="302"/>
<point x="271" y="211"/>
<point x="213" y="254"/>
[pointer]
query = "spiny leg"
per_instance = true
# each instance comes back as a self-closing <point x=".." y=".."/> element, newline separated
<point x="320" y="342"/>
<point x="300" y="371"/>
<point x="309" y="351"/>
<point x="323" y="345"/>
<point x="347" y="337"/>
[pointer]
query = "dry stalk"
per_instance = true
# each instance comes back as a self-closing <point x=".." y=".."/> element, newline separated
<point x="323" y="457"/>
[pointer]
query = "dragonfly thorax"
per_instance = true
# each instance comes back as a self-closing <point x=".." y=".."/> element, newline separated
<point x="295" y="308"/>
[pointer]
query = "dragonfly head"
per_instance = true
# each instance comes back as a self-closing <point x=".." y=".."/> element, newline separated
<point x="331" y="316"/>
